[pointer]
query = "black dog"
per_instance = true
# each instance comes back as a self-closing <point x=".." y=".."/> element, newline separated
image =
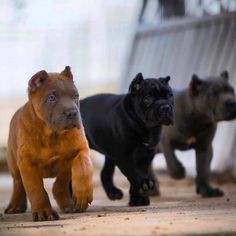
<point x="197" y="111"/>
<point x="126" y="128"/>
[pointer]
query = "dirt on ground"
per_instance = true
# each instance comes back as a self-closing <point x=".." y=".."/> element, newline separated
<point x="178" y="211"/>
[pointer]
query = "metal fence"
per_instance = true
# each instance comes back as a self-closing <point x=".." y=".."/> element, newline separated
<point x="205" y="46"/>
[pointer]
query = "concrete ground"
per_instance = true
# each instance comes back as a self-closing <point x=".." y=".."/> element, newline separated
<point x="179" y="211"/>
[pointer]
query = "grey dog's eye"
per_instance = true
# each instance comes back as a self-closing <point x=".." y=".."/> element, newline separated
<point x="51" y="98"/>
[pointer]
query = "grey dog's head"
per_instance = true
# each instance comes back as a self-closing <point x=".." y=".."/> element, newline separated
<point x="55" y="99"/>
<point x="152" y="100"/>
<point x="214" y="96"/>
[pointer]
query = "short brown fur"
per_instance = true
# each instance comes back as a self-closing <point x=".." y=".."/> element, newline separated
<point x="35" y="151"/>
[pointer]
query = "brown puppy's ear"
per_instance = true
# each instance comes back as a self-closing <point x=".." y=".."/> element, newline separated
<point x="136" y="83"/>
<point x="67" y="73"/>
<point x="194" y="85"/>
<point x="37" y="80"/>
<point x="225" y="75"/>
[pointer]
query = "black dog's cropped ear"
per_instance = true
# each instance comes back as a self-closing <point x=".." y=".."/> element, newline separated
<point x="194" y="85"/>
<point x="37" y="80"/>
<point x="136" y="83"/>
<point x="165" y="79"/>
<point x="225" y="75"/>
<point x="67" y="73"/>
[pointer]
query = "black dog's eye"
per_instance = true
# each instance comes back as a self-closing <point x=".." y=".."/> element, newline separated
<point x="148" y="100"/>
<point x="51" y="98"/>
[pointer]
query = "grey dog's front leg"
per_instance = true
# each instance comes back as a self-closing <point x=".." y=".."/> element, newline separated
<point x="203" y="162"/>
<point x="175" y="167"/>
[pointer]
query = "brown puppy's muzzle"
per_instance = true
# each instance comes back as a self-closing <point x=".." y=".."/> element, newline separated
<point x="72" y="118"/>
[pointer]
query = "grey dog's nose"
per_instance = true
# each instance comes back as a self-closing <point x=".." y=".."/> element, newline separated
<point x="165" y="108"/>
<point x="231" y="104"/>
<point x="71" y="113"/>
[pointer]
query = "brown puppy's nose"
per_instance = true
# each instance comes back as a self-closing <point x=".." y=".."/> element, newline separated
<point x="71" y="113"/>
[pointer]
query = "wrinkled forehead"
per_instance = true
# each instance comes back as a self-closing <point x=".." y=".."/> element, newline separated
<point x="219" y="85"/>
<point x="59" y="84"/>
<point x="155" y="85"/>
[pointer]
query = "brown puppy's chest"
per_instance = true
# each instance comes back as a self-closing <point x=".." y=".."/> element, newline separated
<point x="54" y="154"/>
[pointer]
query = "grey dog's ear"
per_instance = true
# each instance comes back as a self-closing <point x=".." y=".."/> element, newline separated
<point x="37" y="80"/>
<point x="136" y="83"/>
<point x="67" y="73"/>
<point x="225" y="75"/>
<point x="165" y="79"/>
<point x="194" y="85"/>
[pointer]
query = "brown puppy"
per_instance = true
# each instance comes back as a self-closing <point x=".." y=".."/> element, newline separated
<point x="47" y="139"/>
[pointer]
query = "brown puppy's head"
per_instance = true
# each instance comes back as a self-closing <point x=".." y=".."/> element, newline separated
<point x="214" y="97"/>
<point x="55" y="99"/>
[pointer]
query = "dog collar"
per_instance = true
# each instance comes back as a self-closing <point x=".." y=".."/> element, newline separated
<point x="191" y="140"/>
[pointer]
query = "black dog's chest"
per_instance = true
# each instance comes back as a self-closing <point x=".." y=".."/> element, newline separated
<point x="150" y="139"/>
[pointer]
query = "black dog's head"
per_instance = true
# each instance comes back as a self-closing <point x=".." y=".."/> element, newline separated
<point x="152" y="100"/>
<point x="214" y="96"/>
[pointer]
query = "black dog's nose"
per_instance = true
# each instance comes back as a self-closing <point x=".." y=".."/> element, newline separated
<point x="231" y="104"/>
<point x="71" y="113"/>
<point x="165" y="108"/>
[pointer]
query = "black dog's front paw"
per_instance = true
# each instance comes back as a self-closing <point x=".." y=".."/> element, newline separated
<point x="156" y="190"/>
<point x="136" y="200"/>
<point x="147" y="188"/>
<point x="207" y="191"/>
<point x="177" y="172"/>
<point x="115" y="194"/>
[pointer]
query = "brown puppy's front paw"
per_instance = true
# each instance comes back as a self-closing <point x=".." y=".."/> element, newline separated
<point x="82" y="199"/>
<point x="45" y="215"/>
<point x="15" y="209"/>
<point x="81" y="204"/>
<point x="178" y="172"/>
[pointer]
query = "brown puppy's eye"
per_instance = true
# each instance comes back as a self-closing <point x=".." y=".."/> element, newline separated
<point x="51" y="98"/>
<point x="76" y="96"/>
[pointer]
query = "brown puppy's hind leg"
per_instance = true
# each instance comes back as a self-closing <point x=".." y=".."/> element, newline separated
<point x="61" y="192"/>
<point x="18" y="202"/>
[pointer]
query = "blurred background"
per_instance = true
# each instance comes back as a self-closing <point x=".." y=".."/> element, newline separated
<point x="108" y="42"/>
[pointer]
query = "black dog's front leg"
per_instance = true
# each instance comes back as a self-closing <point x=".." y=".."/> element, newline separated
<point x="141" y="186"/>
<point x="203" y="161"/>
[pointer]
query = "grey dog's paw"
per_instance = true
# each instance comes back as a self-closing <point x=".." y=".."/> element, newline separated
<point x="178" y="172"/>
<point x="209" y="191"/>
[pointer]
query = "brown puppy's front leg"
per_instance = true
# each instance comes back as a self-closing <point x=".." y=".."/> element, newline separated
<point x="82" y="179"/>
<point x="61" y="192"/>
<point x="33" y="183"/>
